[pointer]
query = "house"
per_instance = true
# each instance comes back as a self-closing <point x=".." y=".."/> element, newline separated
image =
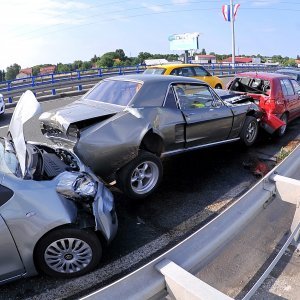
<point x="24" y="73"/>
<point x="238" y="60"/>
<point x="205" y="59"/>
<point x="47" y="70"/>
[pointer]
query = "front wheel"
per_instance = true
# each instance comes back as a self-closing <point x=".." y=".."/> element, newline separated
<point x="249" y="132"/>
<point x="141" y="176"/>
<point x="68" y="252"/>
<point x="218" y="86"/>
<point x="282" y="130"/>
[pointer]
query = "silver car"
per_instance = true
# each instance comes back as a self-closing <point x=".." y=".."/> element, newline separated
<point x="53" y="209"/>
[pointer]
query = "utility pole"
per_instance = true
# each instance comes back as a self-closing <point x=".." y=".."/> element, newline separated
<point x="232" y="32"/>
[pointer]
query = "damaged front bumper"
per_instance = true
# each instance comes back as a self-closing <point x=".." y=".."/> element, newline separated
<point x="85" y="189"/>
<point x="270" y="122"/>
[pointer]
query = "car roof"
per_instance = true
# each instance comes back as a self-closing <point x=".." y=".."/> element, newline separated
<point x="173" y="66"/>
<point x="262" y="75"/>
<point x="149" y="78"/>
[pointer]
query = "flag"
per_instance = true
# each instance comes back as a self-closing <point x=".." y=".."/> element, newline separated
<point x="227" y="11"/>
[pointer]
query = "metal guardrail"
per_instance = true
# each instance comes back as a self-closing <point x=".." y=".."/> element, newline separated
<point x="60" y="84"/>
<point x="172" y="271"/>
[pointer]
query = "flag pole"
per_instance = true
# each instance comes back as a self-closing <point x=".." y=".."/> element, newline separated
<point x="232" y="32"/>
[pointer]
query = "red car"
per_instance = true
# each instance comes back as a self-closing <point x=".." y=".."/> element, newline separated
<point x="278" y="95"/>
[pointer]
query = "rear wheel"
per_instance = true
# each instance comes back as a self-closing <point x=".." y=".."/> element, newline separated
<point x="282" y="130"/>
<point x="141" y="176"/>
<point x="249" y="132"/>
<point x="68" y="252"/>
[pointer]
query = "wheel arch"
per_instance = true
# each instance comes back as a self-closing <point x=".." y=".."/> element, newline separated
<point x="152" y="142"/>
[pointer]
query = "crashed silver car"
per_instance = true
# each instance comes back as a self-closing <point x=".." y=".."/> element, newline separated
<point x="123" y="126"/>
<point x="53" y="209"/>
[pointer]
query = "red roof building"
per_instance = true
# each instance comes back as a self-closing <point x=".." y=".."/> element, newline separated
<point x="25" y="73"/>
<point x="238" y="60"/>
<point x="47" y="70"/>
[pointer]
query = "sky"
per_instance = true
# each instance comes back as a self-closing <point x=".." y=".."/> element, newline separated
<point x="52" y="31"/>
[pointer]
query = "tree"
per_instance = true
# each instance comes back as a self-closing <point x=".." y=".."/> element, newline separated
<point x="12" y="72"/>
<point x="62" y="68"/>
<point x="203" y="52"/>
<point x="121" y="54"/>
<point x="105" y="61"/>
<point x="94" y="59"/>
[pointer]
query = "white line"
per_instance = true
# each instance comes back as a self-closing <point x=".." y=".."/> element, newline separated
<point x="4" y="126"/>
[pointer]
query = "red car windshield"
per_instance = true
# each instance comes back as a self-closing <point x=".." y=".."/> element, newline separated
<point x="114" y="92"/>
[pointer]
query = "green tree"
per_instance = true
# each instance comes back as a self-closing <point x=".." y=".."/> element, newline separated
<point x="62" y="68"/>
<point x="105" y="62"/>
<point x="203" y="52"/>
<point x="144" y="55"/>
<point x="86" y="65"/>
<point x="121" y="54"/>
<point x="12" y="72"/>
<point x="94" y="59"/>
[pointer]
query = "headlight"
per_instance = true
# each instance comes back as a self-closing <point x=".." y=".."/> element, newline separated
<point x="77" y="186"/>
<point x="73" y="132"/>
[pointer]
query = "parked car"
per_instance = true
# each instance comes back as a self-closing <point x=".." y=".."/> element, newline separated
<point x="53" y="208"/>
<point x="2" y="105"/>
<point x="294" y="73"/>
<point x="187" y="70"/>
<point x="125" y="124"/>
<point x="276" y="94"/>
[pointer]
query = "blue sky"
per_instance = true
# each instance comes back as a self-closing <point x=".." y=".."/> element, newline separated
<point x="51" y="31"/>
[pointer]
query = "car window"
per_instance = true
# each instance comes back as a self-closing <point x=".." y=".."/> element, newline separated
<point x="155" y="71"/>
<point x="296" y="85"/>
<point x="192" y="96"/>
<point x="199" y="71"/>
<point x="184" y="71"/>
<point x="287" y="87"/>
<point x="117" y="92"/>
<point x="170" y="101"/>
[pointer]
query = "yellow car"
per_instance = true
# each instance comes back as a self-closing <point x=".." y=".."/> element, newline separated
<point x="187" y="70"/>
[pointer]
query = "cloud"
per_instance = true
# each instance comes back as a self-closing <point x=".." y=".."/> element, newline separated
<point x="154" y="8"/>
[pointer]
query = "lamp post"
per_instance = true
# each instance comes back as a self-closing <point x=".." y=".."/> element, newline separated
<point x="232" y="32"/>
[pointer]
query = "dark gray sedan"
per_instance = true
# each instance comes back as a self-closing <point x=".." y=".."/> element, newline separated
<point x="123" y="126"/>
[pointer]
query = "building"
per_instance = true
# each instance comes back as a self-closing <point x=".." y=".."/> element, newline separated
<point x="47" y="70"/>
<point x="298" y="62"/>
<point x="24" y="73"/>
<point x="205" y="59"/>
<point x="238" y="60"/>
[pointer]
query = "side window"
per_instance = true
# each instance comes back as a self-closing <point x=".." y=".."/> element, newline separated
<point x="193" y="96"/>
<point x="170" y="101"/>
<point x="199" y="71"/>
<point x="184" y="71"/>
<point x="289" y="90"/>
<point x="284" y="90"/>
<point x="296" y="85"/>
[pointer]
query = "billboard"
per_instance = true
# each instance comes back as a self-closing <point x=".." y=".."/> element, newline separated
<point x="184" y="41"/>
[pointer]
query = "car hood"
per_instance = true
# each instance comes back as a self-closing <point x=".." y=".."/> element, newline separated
<point x="78" y="111"/>
<point x="232" y="97"/>
<point x="26" y="108"/>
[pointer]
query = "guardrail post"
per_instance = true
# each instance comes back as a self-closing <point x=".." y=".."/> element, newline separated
<point x="120" y="71"/>
<point x="99" y="72"/>
<point x="137" y="69"/>
<point x="183" y="285"/>
<point x="9" y="85"/>
<point x="78" y="75"/>
<point x="10" y="100"/>
<point x="53" y="92"/>
<point x="212" y="69"/>
<point x="32" y="81"/>
<point x="52" y="78"/>
<point x="79" y="88"/>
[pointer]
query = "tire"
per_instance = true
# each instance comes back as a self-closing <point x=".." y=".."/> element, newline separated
<point x="218" y="86"/>
<point x="282" y="130"/>
<point x="249" y="131"/>
<point x="141" y="176"/>
<point x="68" y="252"/>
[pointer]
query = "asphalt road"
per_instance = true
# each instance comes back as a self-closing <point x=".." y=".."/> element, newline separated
<point x="195" y="188"/>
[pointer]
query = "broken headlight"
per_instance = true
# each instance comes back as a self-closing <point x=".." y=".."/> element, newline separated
<point x="77" y="186"/>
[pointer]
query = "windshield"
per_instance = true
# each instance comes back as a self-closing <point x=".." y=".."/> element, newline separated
<point x="9" y="163"/>
<point x="156" y="71"/>
<point x="114" y="92"/>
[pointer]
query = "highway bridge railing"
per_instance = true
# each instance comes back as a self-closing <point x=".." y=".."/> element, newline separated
<point x="173" y="273"/>
<point x="58" y="85"/>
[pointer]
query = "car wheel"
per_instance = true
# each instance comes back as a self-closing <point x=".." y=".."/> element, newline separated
<point x="282" y="130"/>
<point x="249" y="131"/>
<point x="68" y="252"/>
<point x="218" y="86"/>
<point x="141" y="176"/>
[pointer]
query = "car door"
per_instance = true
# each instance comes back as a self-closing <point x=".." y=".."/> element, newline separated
<point x="290" y="97"/>
<point x="10" y="261"/>
<point x="202" y="74"/>
<point x="208" y="120"/>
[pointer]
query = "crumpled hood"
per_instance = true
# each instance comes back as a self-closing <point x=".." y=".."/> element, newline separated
<point x="26" y="108"/>
<point x="78" y="111"/>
